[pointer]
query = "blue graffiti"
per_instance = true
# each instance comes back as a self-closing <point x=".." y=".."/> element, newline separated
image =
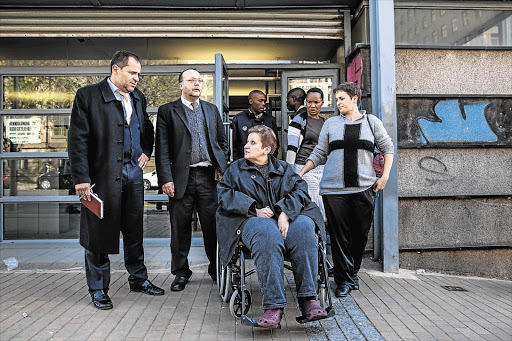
<point x="456" y="123"/>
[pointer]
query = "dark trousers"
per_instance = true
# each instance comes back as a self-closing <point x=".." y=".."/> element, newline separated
<point x="97" y="265"/>
<point x="349" y="218"/>
<point x="201" y="193"/>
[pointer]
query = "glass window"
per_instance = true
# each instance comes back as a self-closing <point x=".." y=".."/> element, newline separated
<point x="43" y="92"/>
<point x="62" y="221"/>
<point x="37" y="177"/>
<point x="478" y="28"/>
<point x="41" y="221"/>
<point x="58" y="92"/>
<point x="324" y="84"/>
<point x="454" y="25"/>
<point x="42" y="133"/>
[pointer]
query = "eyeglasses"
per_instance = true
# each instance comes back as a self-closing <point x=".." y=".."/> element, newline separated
<point x="194" y="81"/>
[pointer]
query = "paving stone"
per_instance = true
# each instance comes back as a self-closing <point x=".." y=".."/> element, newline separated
<point x="386" y="307"/>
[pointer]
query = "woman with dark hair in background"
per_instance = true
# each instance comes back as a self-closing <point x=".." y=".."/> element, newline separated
<point x="303" y="133"/>
<point x="349" y="183"/>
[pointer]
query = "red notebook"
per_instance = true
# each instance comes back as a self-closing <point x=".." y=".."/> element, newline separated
<point x="95" y="205"/>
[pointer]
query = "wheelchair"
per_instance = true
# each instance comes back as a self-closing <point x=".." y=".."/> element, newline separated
<point x="232" y="286"/>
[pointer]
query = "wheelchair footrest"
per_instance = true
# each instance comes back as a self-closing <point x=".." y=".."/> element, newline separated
<point x="302" y="319"/>
<point x="252" y="322"/>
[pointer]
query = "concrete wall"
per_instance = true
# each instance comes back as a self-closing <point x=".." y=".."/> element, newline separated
<point x="454" y="113"/>
<point x="461" y="72"/>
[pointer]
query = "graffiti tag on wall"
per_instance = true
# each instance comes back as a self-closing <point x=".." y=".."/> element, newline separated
<point x="436" y="169"/>
<point x="454" y="122"/>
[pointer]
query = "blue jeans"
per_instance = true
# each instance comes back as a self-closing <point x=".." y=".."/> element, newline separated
<point x="262" y="237"/>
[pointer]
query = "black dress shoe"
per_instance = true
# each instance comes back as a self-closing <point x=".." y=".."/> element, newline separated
<point x="148" y="288"/>
<point x="342" y="290"/>
<point x="179" y="283"/>
<point x="101" y="300"/>
<point x="355" y="286"/>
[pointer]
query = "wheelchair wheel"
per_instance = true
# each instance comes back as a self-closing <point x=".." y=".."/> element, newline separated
<point x="221" y="278"/>
<point x="235" y="304"/>
<point x="322" y="296"/>
<point x="228" y="288"/>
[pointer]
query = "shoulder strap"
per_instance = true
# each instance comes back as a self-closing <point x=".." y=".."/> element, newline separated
<point x="374" y="139"/>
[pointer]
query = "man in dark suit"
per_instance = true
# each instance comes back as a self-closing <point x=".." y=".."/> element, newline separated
<point x="190" y="147"/>
<point x="110" y="141"/>
<point x="245" y="120"/>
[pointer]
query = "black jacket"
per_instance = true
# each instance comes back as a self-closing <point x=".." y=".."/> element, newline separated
<point x="243" y="189"/>
<point x="242" y="122"/>
<point x="174" y="143"/>
<point x="95" y="147"/>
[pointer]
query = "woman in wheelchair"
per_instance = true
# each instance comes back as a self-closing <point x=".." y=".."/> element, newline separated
<point x="264" y="204"/>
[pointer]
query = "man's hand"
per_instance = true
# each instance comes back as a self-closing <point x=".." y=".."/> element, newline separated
<point x="283" y="223"/>
<point x="84" y="188"/>
<point x="168" y="188"/>
<point x="143" y="160"/>
<point x="264" y="212"/>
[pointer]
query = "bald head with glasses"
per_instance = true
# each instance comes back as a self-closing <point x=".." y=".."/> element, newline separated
<point x="191" y="84"/>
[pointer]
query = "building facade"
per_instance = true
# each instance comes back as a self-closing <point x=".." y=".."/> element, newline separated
<point x="453" y="103"/>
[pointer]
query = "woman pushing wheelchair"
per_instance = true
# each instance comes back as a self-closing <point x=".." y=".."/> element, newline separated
<point x="264" y="204"/>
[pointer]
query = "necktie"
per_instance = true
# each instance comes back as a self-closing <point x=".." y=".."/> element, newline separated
<point x="194" y="106"/>
<point x="127" y="105"/>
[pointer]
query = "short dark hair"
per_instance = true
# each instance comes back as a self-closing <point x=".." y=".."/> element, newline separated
<point x="180" y="78"/>
<point x="352" y="89"/>
<point x="298" y="93"/>
<point x="121" y="57"/>
<point x="255" y="92"/>
<point x="317" y="90"/>
<point x="267" y="136"/>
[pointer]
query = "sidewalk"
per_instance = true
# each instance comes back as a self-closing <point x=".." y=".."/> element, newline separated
<point x="49" y="286"/>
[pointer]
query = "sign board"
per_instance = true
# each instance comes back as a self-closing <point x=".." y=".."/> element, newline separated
<point x="23" y="129"/>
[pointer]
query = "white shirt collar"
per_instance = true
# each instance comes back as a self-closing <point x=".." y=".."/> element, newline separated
<point x="187" y="102"/>
<point x="114" y="89"/>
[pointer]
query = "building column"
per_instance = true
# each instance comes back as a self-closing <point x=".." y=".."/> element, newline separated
<point x="382" y="50"/>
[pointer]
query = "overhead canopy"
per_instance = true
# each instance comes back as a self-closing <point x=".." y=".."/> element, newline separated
<point x="315" y="23"/>
<point x="183" y="3"/>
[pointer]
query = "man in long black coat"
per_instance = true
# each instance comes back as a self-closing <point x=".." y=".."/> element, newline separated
<point x="190" y="147"/>
<point x="110" y="141"/>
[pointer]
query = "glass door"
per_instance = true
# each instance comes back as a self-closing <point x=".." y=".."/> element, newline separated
<point x="221" y="92"/>
<point x="324" y="79"/>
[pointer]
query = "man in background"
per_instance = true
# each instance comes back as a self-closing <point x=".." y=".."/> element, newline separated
<point x="245" y="120"/>
<point x="295" y="101"/>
